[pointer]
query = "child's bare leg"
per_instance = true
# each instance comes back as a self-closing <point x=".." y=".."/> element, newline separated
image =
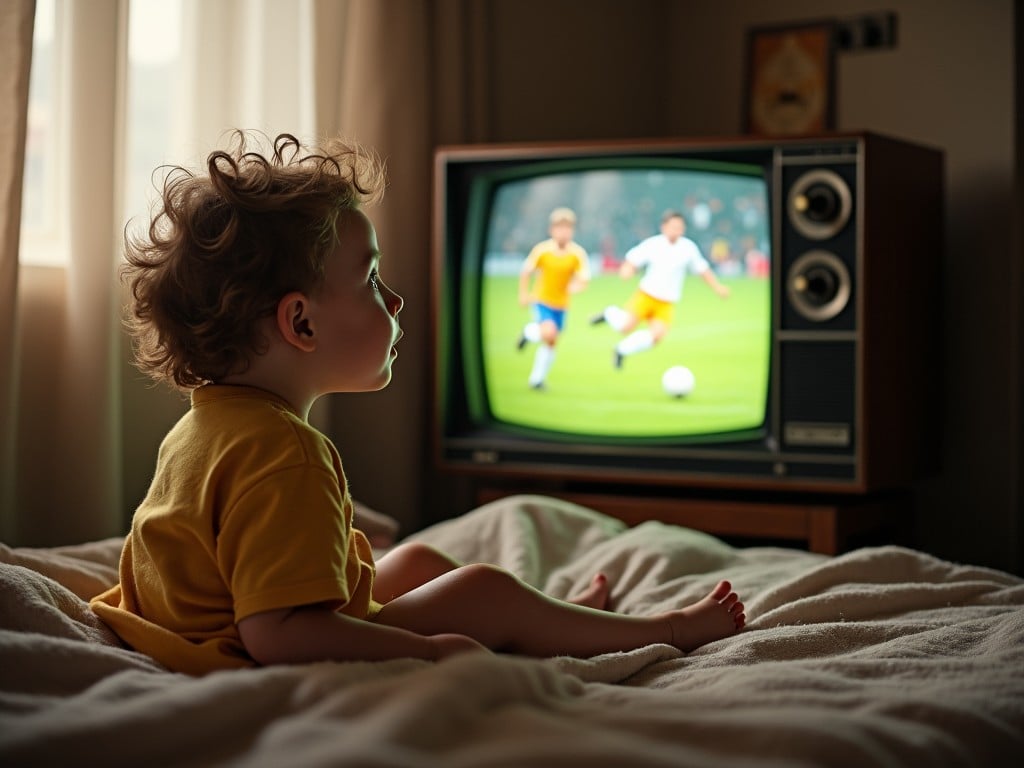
<point x="413" y="564"/>
<point x="408" y="566"/>
<point x="497" y="609"/>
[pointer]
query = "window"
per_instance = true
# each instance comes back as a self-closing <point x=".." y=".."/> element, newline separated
<point x="149" y="120"/>
<point x="40" y="229"/>
<point x="153" y="104"/>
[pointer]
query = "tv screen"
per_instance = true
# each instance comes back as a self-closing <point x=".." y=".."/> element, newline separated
<point x="618" y="299"/>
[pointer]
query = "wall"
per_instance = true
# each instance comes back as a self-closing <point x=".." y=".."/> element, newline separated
<point x="572" y="69"/>
<point x="1018" y="250"/>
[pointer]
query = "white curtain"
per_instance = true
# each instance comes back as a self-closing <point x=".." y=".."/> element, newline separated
<point x="250" y="64"/>
<point x="16" y="17"/>
<point x="61" y="478"/>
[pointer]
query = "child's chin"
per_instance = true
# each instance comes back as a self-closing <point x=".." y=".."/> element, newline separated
<point x="370" y="386"/>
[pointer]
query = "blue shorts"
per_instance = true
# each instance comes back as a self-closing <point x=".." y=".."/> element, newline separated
<point x="544" y="312"/>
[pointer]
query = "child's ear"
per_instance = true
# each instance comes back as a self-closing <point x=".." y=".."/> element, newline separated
<point x="294" y="322"/>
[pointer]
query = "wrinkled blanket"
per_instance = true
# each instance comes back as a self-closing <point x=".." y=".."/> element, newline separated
<point x="883" y="656"/>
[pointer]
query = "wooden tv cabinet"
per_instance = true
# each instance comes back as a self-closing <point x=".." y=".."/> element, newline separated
<point x="827" y="527"/>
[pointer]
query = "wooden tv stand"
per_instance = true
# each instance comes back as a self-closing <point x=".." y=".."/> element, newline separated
<point x="828" y="527"/>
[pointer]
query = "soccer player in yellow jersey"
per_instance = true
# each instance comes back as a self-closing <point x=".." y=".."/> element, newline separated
<point x="561" y="267"/>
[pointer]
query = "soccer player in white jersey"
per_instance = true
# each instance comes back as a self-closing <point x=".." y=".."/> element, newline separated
<point x="665" y="259"/>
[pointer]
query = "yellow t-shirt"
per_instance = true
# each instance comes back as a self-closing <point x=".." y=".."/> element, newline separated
<point x="248" y="512"/>
<point x="557" y="268"/>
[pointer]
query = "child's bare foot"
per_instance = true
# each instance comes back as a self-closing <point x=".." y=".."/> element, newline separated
<point x="713" y="617"/>
<point x="595" y="595"/>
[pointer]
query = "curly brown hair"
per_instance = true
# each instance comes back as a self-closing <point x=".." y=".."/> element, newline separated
<point x="225" y="246"/>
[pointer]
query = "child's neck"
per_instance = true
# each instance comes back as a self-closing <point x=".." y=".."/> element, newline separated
<point x="279" y="377"/>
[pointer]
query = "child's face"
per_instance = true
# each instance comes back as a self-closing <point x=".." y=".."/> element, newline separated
<point x="356" y="313"/>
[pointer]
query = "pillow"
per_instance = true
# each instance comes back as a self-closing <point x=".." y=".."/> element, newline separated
<point x="84" y="569"/>
<point x="380" y="529"/>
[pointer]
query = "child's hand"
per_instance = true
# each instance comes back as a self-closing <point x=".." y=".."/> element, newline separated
<point x="451" y="644"/>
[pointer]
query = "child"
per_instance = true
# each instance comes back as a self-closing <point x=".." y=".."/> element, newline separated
<point x="258" y="290"/>
<point x="561" y="267"/>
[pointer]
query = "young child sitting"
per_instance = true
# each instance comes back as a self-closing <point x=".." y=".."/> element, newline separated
<point x="257" y="288"/>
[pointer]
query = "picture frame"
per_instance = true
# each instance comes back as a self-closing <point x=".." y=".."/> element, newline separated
<point x="790" y="79"/>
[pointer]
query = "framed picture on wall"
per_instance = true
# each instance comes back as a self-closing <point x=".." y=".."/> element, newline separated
<point x="790" y="79"/>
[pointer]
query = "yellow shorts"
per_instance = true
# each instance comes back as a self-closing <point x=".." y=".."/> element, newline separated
<point x="373" y="610"/>
<point x="645" y="307"/>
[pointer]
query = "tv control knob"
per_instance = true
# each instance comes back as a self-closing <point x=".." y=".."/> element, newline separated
<point x="819" y="204"/>
<point x="818" y="285"/>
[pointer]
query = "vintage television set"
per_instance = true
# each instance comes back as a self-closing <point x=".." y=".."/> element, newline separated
<point x="819" y="373"/>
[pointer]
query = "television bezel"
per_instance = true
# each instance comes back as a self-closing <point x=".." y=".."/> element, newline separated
<point x="766" y="466"/>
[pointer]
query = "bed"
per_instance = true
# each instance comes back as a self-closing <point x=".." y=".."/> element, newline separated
<point x="883" y="656"/>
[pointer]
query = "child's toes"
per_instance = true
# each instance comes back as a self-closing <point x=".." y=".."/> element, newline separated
<point x="721" y="591"/>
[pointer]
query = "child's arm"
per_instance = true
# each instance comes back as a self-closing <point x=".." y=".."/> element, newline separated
<point x="316" y="633"/>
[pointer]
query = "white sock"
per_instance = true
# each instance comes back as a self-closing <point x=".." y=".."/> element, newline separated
<point x="637" y="341"/>
<point x="542" y="361"/>
<point x="532" y="332"/>
<point x="616" y="317"/>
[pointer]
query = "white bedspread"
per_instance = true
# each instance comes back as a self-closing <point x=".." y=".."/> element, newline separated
<point x="882" y="656"/>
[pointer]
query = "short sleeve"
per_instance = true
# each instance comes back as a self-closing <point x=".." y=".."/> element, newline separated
<point x="285" y="542"/>
<point x="532" y="261"/>
<point x="639" y="255"/>
<point x="584" y="266"/>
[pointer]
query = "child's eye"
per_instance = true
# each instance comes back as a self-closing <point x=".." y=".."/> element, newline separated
<point x="375" y="280"/>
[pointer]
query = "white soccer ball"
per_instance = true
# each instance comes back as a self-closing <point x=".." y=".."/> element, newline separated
<point x="678" y="381"/>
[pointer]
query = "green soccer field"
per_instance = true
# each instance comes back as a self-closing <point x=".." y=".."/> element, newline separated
<point x="724" y="343"/>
